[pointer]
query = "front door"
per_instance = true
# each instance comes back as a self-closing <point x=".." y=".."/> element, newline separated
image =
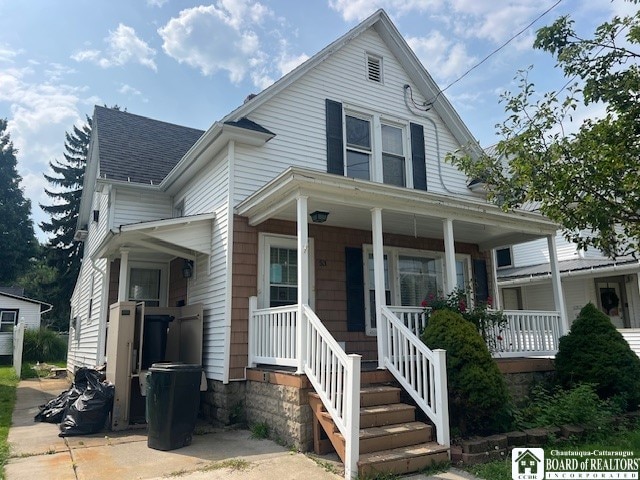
<point x="611" y="302"/>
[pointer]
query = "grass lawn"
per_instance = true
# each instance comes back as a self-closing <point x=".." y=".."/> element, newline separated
<point x="8" y="383"/>
<point x="29" y="372"/>
<point x="625" y="440"/>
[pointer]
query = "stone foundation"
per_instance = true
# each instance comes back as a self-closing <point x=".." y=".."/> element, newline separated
<point x="224" y="403"/>
<point x="521" y="373"/>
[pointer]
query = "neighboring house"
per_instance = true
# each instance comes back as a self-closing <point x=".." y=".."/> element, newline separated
<point x="15" y="308"/>
<point x="524" y="278"/>
<point x="308" y="224"/>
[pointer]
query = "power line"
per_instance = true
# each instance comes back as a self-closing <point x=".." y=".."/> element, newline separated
<point x="494" y="52"/>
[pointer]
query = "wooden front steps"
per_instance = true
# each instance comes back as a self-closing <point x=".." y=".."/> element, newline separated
<point x="391" y="440"/>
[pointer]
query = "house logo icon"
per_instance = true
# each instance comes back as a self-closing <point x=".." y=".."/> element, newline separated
<point x="527" y="464"/>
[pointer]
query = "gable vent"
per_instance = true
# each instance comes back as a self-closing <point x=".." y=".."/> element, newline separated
<point x="374" y="68"/>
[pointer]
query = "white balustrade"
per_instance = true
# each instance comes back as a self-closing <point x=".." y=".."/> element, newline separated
<point x="272" y="334"/>
<point x="526" y="333"/>
<point x="421" y="371"/>
<point x="414" y="318"/>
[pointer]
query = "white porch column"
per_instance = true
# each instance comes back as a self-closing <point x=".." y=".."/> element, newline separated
<point x="122" y="279"/>
<point x="556" y="284"/>
<point x="303" y="280"/>
<point x="378" y="273"/>
<point x="497" y="302"/>
<point x="449" y="256"/>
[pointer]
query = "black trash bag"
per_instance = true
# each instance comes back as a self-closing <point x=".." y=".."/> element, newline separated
<point x="88" y="414"/>
<point x="53" y="411"/>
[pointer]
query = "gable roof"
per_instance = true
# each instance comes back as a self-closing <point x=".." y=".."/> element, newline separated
<point x="137" y="149"/>
<point x="44" y="306"/>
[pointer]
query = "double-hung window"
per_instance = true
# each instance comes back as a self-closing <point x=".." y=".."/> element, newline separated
<point x="393" y="159"/>
<point x="358" y="136"/>
<point x="8" y="319"/>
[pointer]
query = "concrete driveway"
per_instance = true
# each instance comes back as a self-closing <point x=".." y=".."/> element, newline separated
<point x="38" y="453"/>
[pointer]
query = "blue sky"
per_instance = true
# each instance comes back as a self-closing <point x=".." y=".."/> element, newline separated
<point x="190" y="63"/>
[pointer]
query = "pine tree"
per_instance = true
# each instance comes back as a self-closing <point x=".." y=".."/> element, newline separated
<point x="64" y="254"/>
<point x="17" y="239"/>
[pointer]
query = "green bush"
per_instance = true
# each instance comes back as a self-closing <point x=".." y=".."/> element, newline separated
<point x="580" y="405"/>
<point x="595" y="352"/>
<point x="43" y="345"/>
<point x="479" y="401"/>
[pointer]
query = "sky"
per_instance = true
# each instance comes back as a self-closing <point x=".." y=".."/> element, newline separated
<point x="191" y="63"/>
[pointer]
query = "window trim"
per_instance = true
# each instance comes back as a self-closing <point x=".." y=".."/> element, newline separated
<point x="511" y="264"/>
<point x="164" y="279"/>
<point x="393" y="254"/>
<point x="16" y="313"/>
<point x="265" y="242"/>
<point x="376" y="120"/>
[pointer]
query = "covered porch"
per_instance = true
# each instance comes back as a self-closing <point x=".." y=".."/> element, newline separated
<point x="394" y="245"/>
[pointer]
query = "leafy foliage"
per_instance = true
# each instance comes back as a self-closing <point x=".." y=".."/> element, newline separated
<point x="479" y="401"/>
<point x="586" y="181"/>
<point x="595" y="352"/>
<point x="486" y="321"/>
<point x="43" y="345"/>
<point x="17" y="240"/>
<point x="579" y="405"/>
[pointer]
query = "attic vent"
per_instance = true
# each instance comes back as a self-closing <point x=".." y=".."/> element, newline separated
<point x="374" y="68"/>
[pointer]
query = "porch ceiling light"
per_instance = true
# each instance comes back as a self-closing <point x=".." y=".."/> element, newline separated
<point x="187" y="269"/>
<point x="318" y="216"/>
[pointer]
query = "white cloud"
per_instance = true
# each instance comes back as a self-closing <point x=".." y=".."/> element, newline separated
<point x="441" y="56"/>
<point x="156" y="3"/>
<point x="129" y="90"/>
<point x="218" y="38"/>
<point x="360" y="9"/>
<point x="7" y="54"/>
<point x="123" y="47"/>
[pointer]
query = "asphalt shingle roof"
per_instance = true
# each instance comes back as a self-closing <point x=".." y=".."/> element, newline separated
<point x="139" y="149"/>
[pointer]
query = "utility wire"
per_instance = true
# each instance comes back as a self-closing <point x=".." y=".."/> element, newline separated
<point x="493" y="53"/>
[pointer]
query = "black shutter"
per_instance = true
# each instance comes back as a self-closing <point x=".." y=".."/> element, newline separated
<point x="335" y="147"/>
<point x="481" y="280"/>
<point x="355" y="289"/>
<point x="418" y="157"/>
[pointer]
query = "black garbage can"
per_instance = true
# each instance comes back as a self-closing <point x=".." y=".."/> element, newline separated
<point x="154" y="345"/>
<point x="173" y="399"/>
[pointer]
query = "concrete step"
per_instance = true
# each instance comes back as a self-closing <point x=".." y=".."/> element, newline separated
<point x="380" y="415"/>
<point x="376" y="439"/>
<point x="402" y="460"/>
<point x="379" y="395"/>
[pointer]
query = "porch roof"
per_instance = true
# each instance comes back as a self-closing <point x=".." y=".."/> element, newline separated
<point x="404" y="211"/>
<point x="176" y="237"/>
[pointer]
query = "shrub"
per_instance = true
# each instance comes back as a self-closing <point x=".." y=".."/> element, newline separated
<point x="580" y="405"/>
<point x="43" y="345"/>
<point x="595" y="352"/>
<point x="479" y="401"/>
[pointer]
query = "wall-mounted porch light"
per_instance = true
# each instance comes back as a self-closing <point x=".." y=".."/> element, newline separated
<point x="187" y="269"/>
<point x="318" y="216"/>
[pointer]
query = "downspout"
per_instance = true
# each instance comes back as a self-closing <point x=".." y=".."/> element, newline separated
<point x="437" y="135"/>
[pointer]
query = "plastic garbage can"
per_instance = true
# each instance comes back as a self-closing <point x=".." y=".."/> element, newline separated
<point x="173" y="399"/>
<point x="154" y="344"/>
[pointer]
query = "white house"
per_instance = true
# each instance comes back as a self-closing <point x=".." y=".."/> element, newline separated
<point x="16" y="308"/>
<point x="307" y="226"/>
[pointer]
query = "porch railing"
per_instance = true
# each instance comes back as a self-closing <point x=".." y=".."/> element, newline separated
<point x="414" y="318"/>
<point x="335" y="376"/>
<point x="272" y="334"/>
<point x="527" y="333"/>
<point x="421" y="371"/>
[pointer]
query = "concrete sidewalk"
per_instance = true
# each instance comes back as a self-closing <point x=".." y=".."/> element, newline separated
<point x="38" y="453"/>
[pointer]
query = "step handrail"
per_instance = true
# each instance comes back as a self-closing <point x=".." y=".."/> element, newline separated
<point x="335" y="376"/>
<point x="422" y="372"/>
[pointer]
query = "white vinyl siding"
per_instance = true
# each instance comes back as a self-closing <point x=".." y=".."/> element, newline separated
<point x="537" y="251"/>
<point x="297" y="116"/>
<point x="28" y="312"/>
<point x="207" y="192"/>
<point x="140" y="207"/>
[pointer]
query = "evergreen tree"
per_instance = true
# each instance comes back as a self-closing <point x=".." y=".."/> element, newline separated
<point x="64" y="254"/>
<point x="17" y="239"/>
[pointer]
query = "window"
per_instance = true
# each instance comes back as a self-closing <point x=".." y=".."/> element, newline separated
<point x="8" y="319"/>
<point x="410" y="276"/>
<point x="144" y="286"/>
<point x="278" y="271"/>
<point x="358" y="133"/>
<point x="503" y="257"/>
<point x="393" y="164"/>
